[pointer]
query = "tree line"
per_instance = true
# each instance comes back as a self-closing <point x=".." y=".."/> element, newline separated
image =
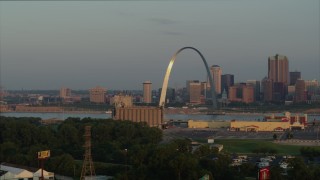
<point x="125" y="150"/>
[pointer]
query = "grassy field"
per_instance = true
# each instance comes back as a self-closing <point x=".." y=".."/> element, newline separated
<point x="247" y="146"/>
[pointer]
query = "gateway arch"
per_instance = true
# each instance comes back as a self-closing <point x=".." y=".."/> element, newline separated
<point x="166" y="78"/>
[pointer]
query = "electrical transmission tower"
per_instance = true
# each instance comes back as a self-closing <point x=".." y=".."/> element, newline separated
<point x="87" y="167"/>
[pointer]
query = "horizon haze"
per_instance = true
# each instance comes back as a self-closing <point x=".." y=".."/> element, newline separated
<point x="121" y="44"/>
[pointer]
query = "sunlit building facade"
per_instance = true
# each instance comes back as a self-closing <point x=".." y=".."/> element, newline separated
<point x="98" y="94"/>
<point x="147" y="95"/>
<point x="216" y="72"/>
<point x="278" y="69"/>
<point x="195" y="92"/>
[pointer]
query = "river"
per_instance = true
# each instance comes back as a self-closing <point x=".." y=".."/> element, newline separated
<point x="227" y="117"/>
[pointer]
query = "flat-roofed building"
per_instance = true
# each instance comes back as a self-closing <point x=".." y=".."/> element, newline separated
<point x="195" y="92"/>
<point x="294" y="76"/>
<point x="65" y="92"/>
<point x="98" y="95"/>
<point x="300" y="91"/>
<point x="241" y="93"/>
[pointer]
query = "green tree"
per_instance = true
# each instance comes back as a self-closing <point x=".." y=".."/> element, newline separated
<point x="299" y="170"/>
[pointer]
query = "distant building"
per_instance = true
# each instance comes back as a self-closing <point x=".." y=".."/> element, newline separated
<point x="278" y="69"/>
<point x="291" y="93"/>
<point x="267" y="87"/>
<point x="248" y="94"/>
<point x="227" y="80"/>
<point x="204" y="89"/>
<point x="241" y="93"/>
<point x="187" y="94"/>
<point x="273" y="123"/>
<point x="147" y="96"/>
<point x="279" y="91"/>
<point x="294" y="76"/>
<point x="98" y="95"/>
<point x="300" y="91"/>
<point x="256" y="85"/>
<point x="18" y="172"/>
<point x="170" y="96"/>
<point x="121" y="101"/>
<point x="216" y="72"/>
<point x="195" y="92"/>
<point x="65" y="93"/>
<point x="312" y="87"/>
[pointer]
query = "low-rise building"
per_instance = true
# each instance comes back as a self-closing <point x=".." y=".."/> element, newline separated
<point x="271" y="123"/>
<point x="208" y="124"/>
<point x="17" y="172"/>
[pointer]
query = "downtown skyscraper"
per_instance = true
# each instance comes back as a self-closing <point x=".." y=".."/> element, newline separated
<point x="278" y="69"/>
<point x="216" y="72"/>
<point x="278" y="74"/>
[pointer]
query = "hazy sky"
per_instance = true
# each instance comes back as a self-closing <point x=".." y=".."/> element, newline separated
<point x="118" y="45"/>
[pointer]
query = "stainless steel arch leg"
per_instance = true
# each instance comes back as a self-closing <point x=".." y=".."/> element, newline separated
<point x="167" y="75"/>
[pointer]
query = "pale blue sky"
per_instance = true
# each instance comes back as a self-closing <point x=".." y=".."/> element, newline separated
<point x="118" y="45"/>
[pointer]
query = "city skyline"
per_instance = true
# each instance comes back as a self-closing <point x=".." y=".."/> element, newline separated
<point x="119" y="45"/>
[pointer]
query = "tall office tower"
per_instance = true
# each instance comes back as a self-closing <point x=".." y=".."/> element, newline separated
<point x="227" y="80"/>
<point x="256" y="85"/>
<point x="147" y="92"/>
<point x="301" y="95"/>
<point x="216" y="72"/>
<point x="294" y="76"/>
<point x="98" y="94"/>
<point x="195" y="92"/>
<point x="278" y="69"/>
<point x="267" y="87"/>
<point x="65" y="92"/>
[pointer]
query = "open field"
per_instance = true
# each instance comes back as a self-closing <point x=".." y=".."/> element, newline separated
<point x="248" y="145"/>
<point x="246" y="142"/>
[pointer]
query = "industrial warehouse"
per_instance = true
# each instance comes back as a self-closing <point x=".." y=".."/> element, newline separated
<point x="269" y="123"/>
